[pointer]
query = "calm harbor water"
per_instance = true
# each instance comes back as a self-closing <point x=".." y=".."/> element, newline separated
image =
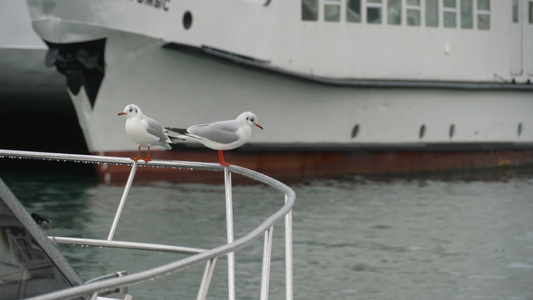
<point x="440" y="236"/>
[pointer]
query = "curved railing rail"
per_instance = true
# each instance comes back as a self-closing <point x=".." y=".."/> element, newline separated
<point x="197" y="255"/>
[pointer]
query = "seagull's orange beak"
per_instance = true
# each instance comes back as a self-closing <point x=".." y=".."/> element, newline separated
<point x="121" y="113"/>
<point x="259" y="126"/>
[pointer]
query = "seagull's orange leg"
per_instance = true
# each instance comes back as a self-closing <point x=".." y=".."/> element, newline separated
<point x="138" y="155"/>
<point x="221" y="159"/>
<point x="147" y="159"/>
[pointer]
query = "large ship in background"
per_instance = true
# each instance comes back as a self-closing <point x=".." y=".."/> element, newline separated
<point x="340" y="86"/>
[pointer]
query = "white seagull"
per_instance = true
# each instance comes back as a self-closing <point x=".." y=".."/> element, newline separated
<point x="222" y="135"/>
<point x="144" y="131"/>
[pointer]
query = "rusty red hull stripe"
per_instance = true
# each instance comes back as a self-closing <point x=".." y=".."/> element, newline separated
<point x="309" y="164"/>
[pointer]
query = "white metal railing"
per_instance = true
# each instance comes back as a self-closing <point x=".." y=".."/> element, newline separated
<point x="209" y="256"/>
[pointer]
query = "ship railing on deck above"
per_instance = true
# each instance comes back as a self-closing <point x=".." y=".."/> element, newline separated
<point x="209" y="257"/>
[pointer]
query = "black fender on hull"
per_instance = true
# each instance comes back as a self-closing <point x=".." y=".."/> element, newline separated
<point x="82" y="63"/>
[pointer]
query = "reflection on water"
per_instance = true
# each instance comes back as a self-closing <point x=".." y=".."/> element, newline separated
<point x="430" y="237"/>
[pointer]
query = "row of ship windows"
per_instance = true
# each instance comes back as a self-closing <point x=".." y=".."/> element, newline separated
<point x="422" y="130"/>
<point x="454" y="13"/>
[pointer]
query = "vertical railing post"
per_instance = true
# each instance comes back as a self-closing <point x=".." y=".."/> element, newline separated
<point x="288" y="254"/>
<point x="122" y="201"/>
<point x="267" y="257"/>
<point x="229" y="228"/>
<point x="206" y="279"/>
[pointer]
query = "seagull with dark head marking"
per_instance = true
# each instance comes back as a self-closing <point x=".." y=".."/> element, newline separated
<point x="144" y="131"/>
<point x="222" y="135"/>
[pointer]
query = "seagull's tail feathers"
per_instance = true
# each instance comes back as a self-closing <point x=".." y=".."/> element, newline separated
<point x="177" y="134"/>
<point x="166" y="145"/>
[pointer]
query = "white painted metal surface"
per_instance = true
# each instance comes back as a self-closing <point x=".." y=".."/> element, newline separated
<point x="122" y="201"/>
<point x="209" y="256"/>
<point x="230" y="233"/>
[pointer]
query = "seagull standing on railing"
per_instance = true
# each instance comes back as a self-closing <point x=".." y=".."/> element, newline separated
<point x="222" y="135"/>
<point x="144" y="131"/>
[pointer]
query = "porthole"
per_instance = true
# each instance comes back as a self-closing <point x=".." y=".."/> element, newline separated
<point x="422" y="131"/>
<point x="520" y="129"/>
<point x="452" y="130"/>
<point x="187" y="20"/>
<point x="355" y="131"/>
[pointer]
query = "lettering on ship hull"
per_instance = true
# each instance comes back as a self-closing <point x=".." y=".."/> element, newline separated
<point x="159" y="4"/>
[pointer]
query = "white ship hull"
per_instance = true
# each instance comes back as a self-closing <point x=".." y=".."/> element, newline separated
<point x="313" y="116"/>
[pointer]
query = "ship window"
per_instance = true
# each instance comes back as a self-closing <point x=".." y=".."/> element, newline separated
<point x="355" y="131"/>
<point x="467" y="14"/>
<point x="422" y="131"/>
<point x="449" y="3"/>
<point x="353" y="11"/>
<point x="394" y="12"/>
<point x="530" y="12"/>
<point x="449" y="13"/>
<point x="413" y="12"/>
<point x="452" y="130"/>
<point x="432" y="13"/>
<point x="332" y="10"/>
<point x="373" y="11"/>
<point x="310" y="10"/>
<point x="516" y="8"/>
<point x="483" y="16"/>
<point x="187" y="20"/>
<point x="483" y="5"/>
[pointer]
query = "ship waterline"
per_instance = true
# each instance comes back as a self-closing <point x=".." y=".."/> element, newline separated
<point x="295" y="165"/>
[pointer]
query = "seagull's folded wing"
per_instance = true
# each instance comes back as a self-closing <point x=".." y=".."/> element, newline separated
<point x="224" y="132"/>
